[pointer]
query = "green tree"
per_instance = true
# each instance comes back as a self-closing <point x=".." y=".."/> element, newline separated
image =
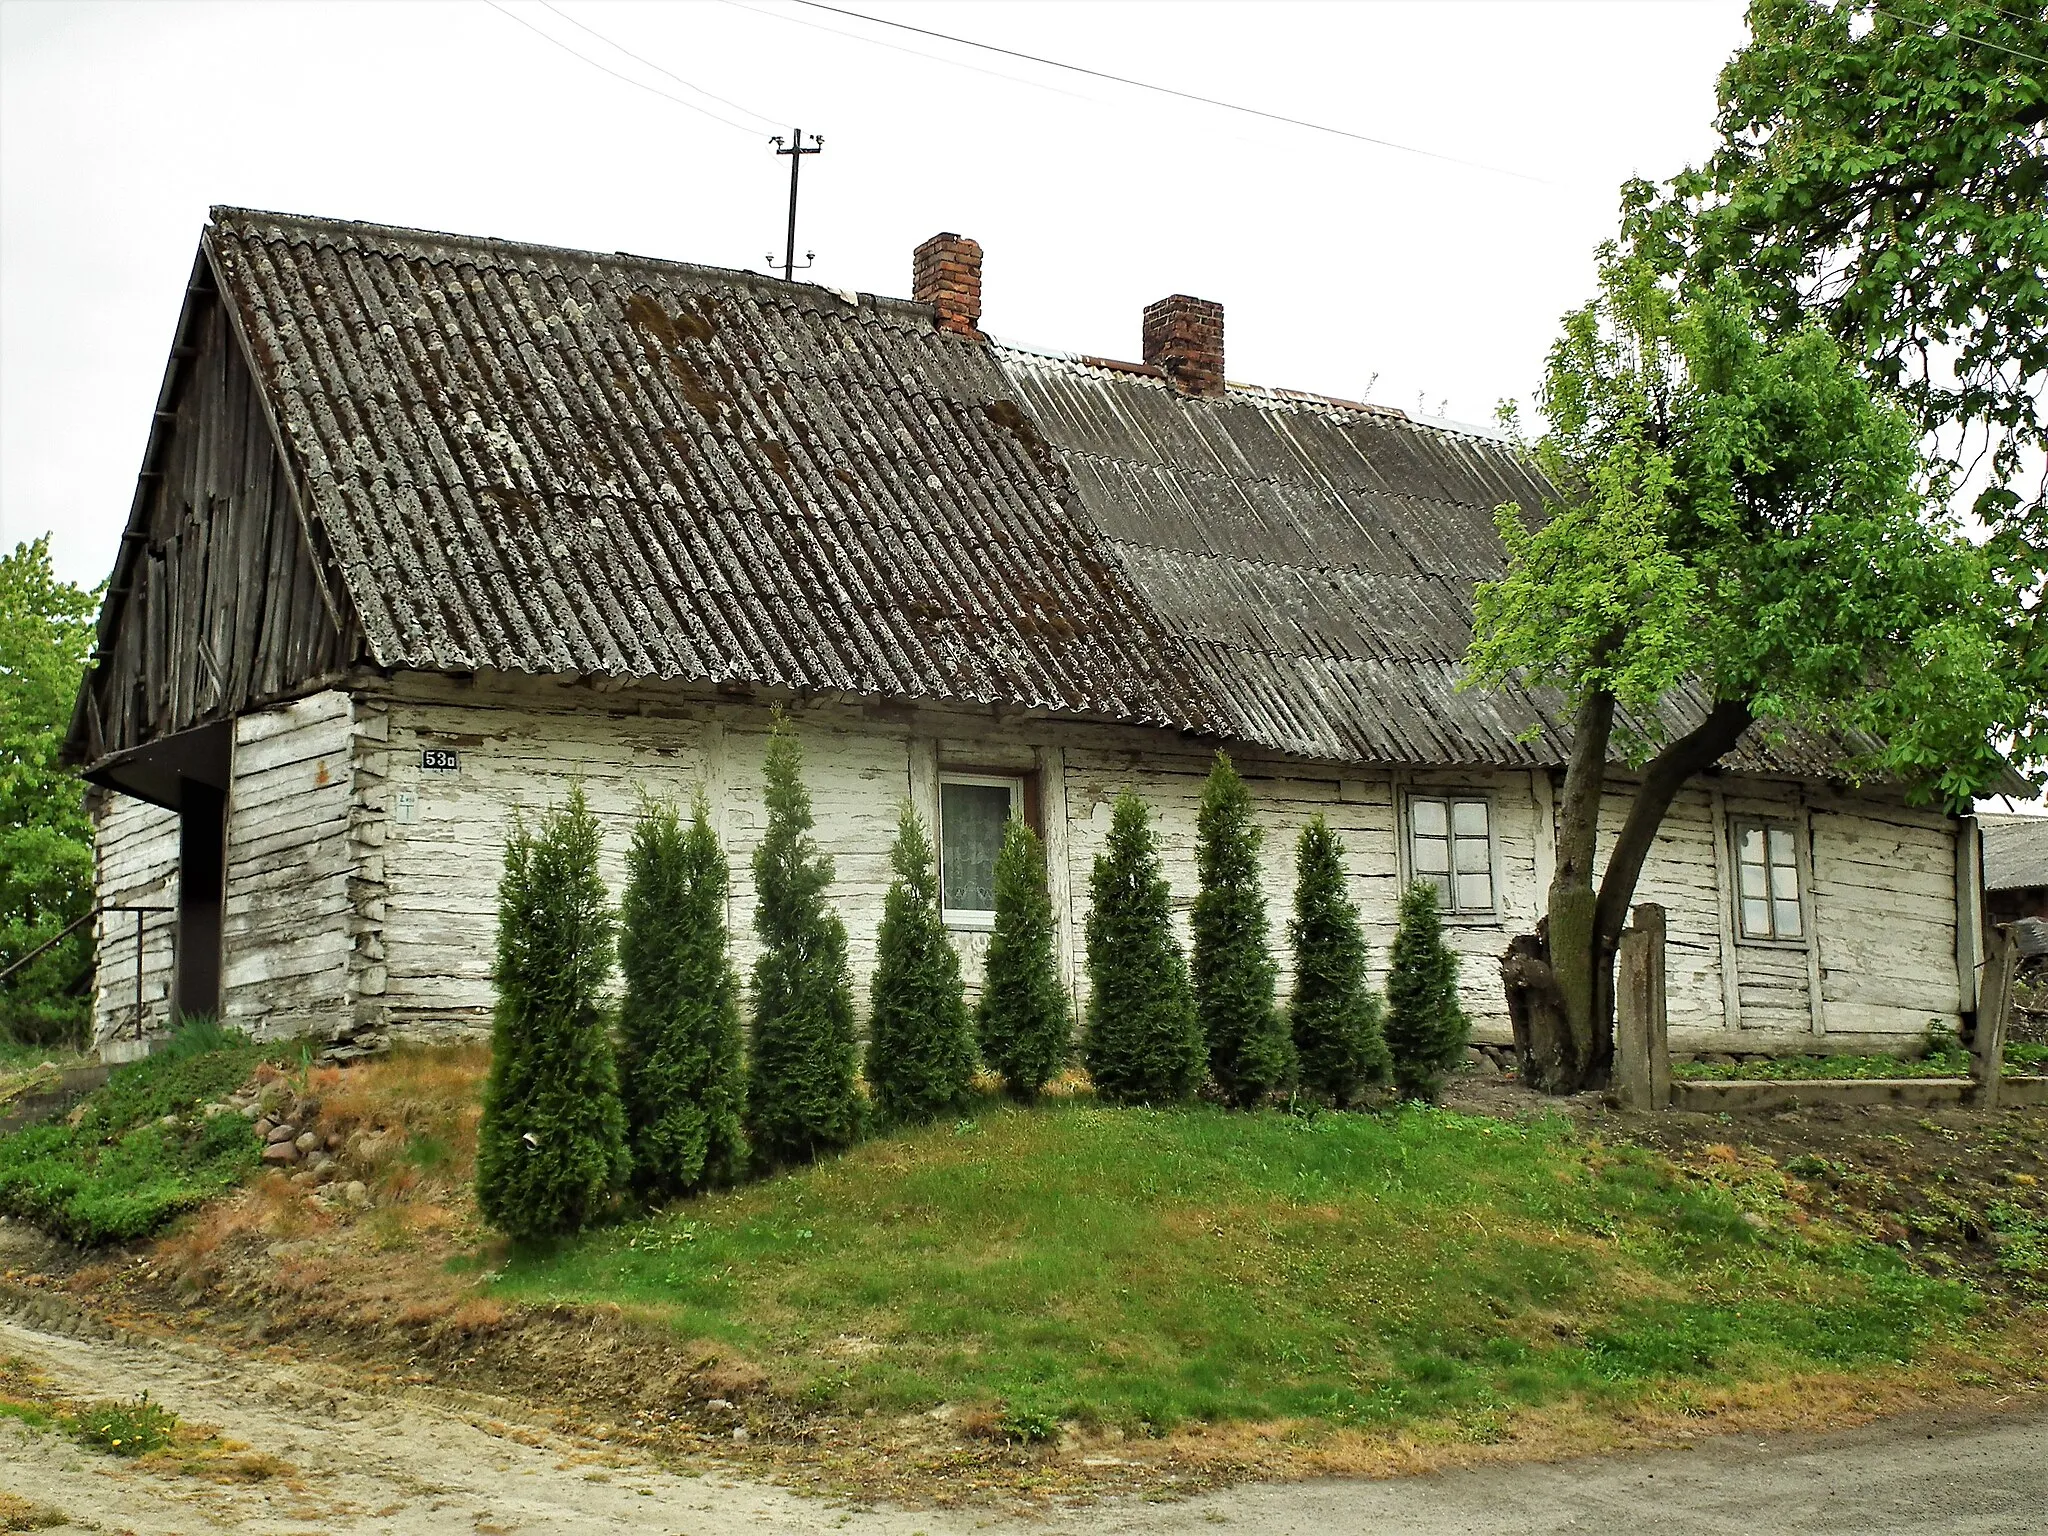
<point x="920" y="1038"/>
<point x="1882" y="170"/>
<point x="1335" y="1015"/>
<point x="1426" y="1028"/>
<point x="551" y="1147"/>
<point x="1143" y="1043"/>
<point x="679" y="1020"/>
<point x="46" y="629"/>
<point x="1026" y="1032"/>
<point x="1743" y="538"/>
<point x="1250" y="1054"/>
<point x="802" y="1096"/>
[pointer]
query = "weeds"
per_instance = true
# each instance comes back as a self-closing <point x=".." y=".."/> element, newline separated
<point x="124" y="1429"/>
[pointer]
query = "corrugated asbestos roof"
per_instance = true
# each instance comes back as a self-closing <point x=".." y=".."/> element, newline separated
<point x="541" y="460"/>
<point x="552" y="461"/>
<point x="2015" y="852"/>
<point x="1317" y="561"/>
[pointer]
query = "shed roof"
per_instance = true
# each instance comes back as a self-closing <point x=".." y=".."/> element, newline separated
<point x="2015" y="852"/>
<point x="526" y="458"/>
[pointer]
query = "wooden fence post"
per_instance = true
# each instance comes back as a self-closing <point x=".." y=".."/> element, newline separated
<point x="1994" y="1007"/>
<point x="1642" y="1043"/>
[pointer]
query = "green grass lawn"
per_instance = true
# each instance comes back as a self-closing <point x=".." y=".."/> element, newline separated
<point x="1144" y="1268"/>
<point x="2020" y="1061"/>
<point x="121" y="1172"/>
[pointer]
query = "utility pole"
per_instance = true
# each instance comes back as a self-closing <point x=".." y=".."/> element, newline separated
<point x="796" y="150"/>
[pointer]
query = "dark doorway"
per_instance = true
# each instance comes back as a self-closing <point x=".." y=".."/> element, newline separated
<point x="202" y="892"/>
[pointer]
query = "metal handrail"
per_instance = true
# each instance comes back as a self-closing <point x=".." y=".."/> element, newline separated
<point x="141" y="912"/>
<point x="48" y="944"/>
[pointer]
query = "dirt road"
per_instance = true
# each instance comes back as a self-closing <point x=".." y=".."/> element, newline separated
<point x="402" y="1466"/>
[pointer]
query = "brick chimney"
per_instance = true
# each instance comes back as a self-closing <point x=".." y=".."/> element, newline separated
<point x="945" y="272"/>
<point x="1184" y="337"/>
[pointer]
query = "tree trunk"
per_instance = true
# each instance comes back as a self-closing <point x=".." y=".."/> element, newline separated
<point x="1560" y="980"/>
<point x="1550" y="976"/>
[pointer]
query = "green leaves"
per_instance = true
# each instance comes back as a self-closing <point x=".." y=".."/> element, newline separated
<point x="679" y="1021"/>
<point x="1426" y="1027"/>
<point x="1250" y="1052"/>
<point x="551" y="1147"/>
<point x="46" y="630"/>
<point x="1882" y="171"/>
<point x="1335" y="1016"/>
<point x="1747" y="516"/>
<point x="1143" y="1043"/>
<point x="920" y="1044"/>
<point x="801" y="1095"/>
<point x="1025" y="1030"/>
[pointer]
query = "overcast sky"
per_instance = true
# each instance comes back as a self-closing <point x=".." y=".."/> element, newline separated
<point x="1342" y="265"/>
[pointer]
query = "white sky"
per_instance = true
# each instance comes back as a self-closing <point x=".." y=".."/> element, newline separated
<point x="1336" y="261"/>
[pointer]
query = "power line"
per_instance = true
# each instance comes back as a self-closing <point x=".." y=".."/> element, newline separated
<point x="915" y="53"/>
<point x="1948" y="29"/>
<point x="752" y="133"/>
<point x="658" y="69"/>
<point x="1167" y="90"/>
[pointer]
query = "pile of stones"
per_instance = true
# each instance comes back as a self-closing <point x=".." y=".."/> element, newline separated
<point x="292" y="1141"/>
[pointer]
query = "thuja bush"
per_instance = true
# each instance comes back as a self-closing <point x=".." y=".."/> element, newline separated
<point x="551" y="1147"/>
<point x="1334" y="1015"/>
<point x="802" y="1097"/>
<point x="1143" y="1043"/>
<point x="1250" y="1054"/>
<point x="1023" y="1022"/>
<point x="920" y="1039"/>
<point x="679" y="1020"/>
<point x="1426" y="1028"/>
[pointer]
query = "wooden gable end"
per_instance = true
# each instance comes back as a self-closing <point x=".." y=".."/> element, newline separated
<point x="217" y="603"/>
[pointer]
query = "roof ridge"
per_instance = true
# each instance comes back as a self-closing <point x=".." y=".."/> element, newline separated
<point x="407" y="235"/>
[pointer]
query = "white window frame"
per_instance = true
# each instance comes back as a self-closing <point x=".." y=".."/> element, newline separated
<point x="969" y="917"/>
<point x="1739" y="824"/>
<point x="1450" y="798"/>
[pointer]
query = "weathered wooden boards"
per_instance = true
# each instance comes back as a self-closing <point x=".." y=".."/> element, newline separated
<point x="285" y="935"/>
<point x="363" y="874"/>
<point x="1994" y="1009"/>
<point x="1642" y="1043"/>
<point x="136" y="865"/>
<point x="222" y="606"/>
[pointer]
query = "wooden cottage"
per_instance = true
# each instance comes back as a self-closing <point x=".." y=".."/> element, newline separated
<point x="431" y="528"/>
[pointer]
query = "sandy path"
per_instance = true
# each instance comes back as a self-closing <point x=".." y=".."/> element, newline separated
<point x="402" y="1466"/>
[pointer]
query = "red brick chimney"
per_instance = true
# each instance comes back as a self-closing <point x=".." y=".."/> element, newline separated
<point x="1184" y="337"/>
<point x="945" y="272"/>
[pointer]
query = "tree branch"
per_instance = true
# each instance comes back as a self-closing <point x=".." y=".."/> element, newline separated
<point x="1665" y="775"/>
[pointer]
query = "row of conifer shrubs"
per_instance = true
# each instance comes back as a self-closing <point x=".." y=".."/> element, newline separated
<point x="570" y="1120"/>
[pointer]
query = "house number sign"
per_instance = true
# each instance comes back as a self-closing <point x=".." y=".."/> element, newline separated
<point x="440" y="760"/>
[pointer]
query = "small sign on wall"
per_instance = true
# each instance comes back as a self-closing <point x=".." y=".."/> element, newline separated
<point x="408" y="805"/>
<point x="440" y="760"/>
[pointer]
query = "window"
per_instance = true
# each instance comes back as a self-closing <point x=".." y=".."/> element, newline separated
<point x="972" y="813"/>
<point x="1450" y="846"/>
<point x="1767" y="881"/>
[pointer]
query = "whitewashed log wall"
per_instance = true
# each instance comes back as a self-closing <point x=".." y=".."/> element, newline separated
<point x="363" y="889"/>
<point x="284" y="933"/>
<point x="136" y="864"/>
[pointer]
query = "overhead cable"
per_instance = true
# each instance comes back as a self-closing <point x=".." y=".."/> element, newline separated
<point x="1167" y="90"/>
<point x="610" y="42"/>
<point x="652" y="90"/>
<point x="1949" y="29"/>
